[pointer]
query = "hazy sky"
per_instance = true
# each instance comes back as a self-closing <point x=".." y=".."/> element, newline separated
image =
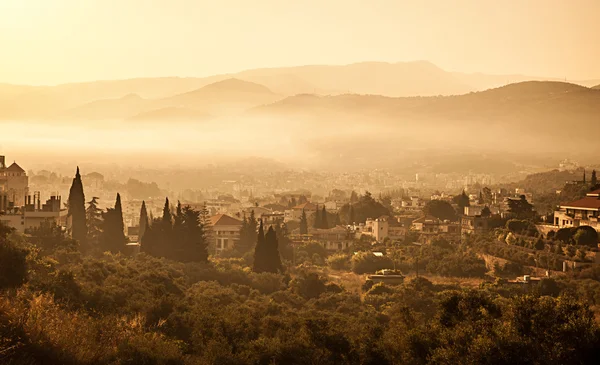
<point x="55" y="41"/>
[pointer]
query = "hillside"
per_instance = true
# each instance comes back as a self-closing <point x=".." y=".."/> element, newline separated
<point x="502" y="119"/>
<point x="219" y="98"/>
<point x="596" y="87"/>
<point x="228" y="96"/>
<point x="128" y="105"/>
<point x="402" y="79"/>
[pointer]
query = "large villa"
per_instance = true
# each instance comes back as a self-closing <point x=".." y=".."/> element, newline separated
<point x="582" y="212"/>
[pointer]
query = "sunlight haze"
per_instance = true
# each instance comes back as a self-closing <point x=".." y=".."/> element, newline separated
<point x="58" y="41"/>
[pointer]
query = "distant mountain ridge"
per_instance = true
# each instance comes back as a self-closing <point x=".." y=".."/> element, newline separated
<point x="241" y="90"/>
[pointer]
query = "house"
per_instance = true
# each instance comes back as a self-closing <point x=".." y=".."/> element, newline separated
<point x="383" y="228"/>
<point x="413" y="203"/>
<point x="333" y="206"/>
<point x="296" y="212"/>
<point x="582" y="212"/>
<point x="429" y="227"/>
<point x="474" y="224"/>
<point x="226" y="231"/>
<point x="259" y="212"/>
<point x="336" y="238"/>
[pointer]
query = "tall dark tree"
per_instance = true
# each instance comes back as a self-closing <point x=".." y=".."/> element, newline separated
<point x="167" y="216"/>
<point x="113" y="231"/>
<point x="440" y="209"/>
<point x="273" y="258"/>
<point x="144" y="223"/>
<point x="94" y="224"/>
<point x="260" y="250"/>
<point x="317" y="218"/>
<point x="462" y="201"/>
<point x="206" y="230"/>
<point x="285" y="245"/>
<point x="192" y="241"/>
<point x="266" y="254"/>
<point x="324" y="220"/>
<point x="520" y="207"/>
<point x="487" y="195"/>
<point x="594" y="180"/>
<point x="481" y="201"/>
<point x="353" y="197"/>
<point x="486" y="212"/>
<point x="303" y="223"/>
<point x="77" y="210"/>
<point x="584" y="179"/>
<point x="365" y="208"/>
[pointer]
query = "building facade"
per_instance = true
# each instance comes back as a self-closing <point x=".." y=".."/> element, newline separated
<point x="14" y="183"/>
<point x="582" y="212"/>
<point x="226" y="232"/>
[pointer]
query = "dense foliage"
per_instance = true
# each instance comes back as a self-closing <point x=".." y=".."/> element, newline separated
<point x="113" y="309"/>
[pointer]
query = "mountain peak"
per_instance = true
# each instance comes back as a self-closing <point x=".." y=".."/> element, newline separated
<point x="234" y="84"/>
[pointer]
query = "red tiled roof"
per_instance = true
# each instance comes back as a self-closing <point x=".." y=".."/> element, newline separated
<point x="594" y="192"/>
<point x="14" y="168"/>
<point x="589" y="202"/>
<point x="224" y="220"/>
<point x="306" y="206"/>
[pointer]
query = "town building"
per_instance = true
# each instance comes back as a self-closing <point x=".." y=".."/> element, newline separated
<point x="33" y="214"/>
<point x="332" y="239"/>
<point x="474" y="224"/>
<point x="382" y="228"/>
<point x="295" y="213"/>
<point x="582" y="212"/>
<point x="226" y="231"/>
<point x="429" y="227"/>
<point x="14" y="183"/>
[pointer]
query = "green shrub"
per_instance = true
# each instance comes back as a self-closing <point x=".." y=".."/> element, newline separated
<point x="339" y="261"/>
<point x="366" y="262"/>
<point x="13" y="265"/>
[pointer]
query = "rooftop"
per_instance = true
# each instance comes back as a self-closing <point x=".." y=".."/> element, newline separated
<point x="306" y="206"/>
<point x="14" y="168"/>
<point x="589" y="202"/>
<point x="224" y="220"/>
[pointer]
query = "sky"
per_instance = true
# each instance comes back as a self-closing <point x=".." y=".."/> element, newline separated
<point x="58" y="41"/>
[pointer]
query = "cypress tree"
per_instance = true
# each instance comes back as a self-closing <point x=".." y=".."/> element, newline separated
<point x="94" y="221"/>
<point x="119" y="215"/>
<point x="584" y="180"/>
<point x="317" y="222"/>
<point x="272" y="257"/>
<point x="481" y="200"/>
<point x="143" y="221"/>
<point x="206" y="230"/>
<point x="303" y="223"/>
<point x="77" y="210"/>
<point x="351" y="215"/>
<point x="113" y="231"/>
<point x="324" y="221"/>
<point x="167" y="217"/>
<point x="594" y="180"/>
<point x="338" y="221"/>
<point x="194" y="247"/>
<point x="260" y="250"/>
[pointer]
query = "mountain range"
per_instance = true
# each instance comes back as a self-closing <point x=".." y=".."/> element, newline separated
<point x="133" y="97"/>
